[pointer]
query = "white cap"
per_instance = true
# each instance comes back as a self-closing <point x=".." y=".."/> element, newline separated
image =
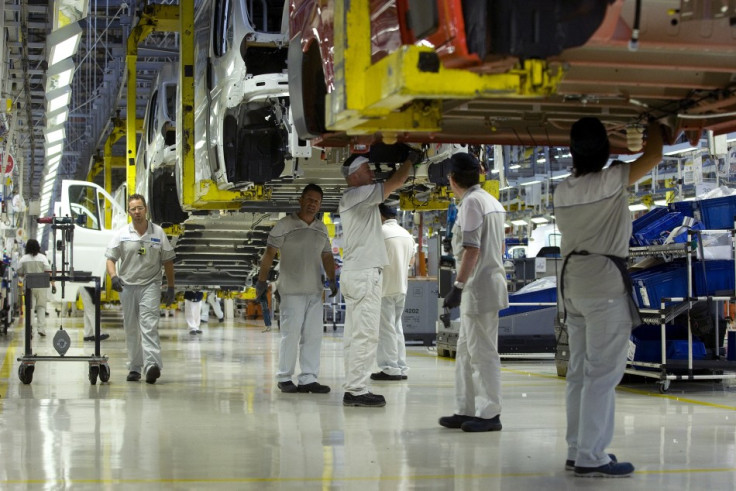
<point x="354" y="165"/>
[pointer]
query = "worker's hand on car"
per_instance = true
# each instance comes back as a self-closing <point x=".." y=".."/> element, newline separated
<point x="117" y="283"/>
<point x="453" y="298"/>
<point x="169" y="296"/>
<point x="260" y="288"/>
<point x="333" y="288"/>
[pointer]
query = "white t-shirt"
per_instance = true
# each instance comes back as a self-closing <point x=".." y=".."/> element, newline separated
<point x="301" y="246"/>
<point x="363" y="246"/>
<point x="33" y="264"/>
<point x="480" y="223"/>
<point x="593" y="215"/>
<point x="399" y="249"/>
<point x="141" y="256"/>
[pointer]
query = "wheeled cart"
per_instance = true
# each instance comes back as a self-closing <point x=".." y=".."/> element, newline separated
<point x="98" y="366"/>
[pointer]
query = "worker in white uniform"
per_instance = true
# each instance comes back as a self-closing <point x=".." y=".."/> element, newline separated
<point x="305" y="249"/>
<point x="142" y="249"/>
<point x="34" y="261"/>
<point x="364" y="257"/>
<point x="480" y="292"/>
<point x="400" y="249"/>
<point x="17" y="208"/>
<point x="591" y="207"/>
<point x="86" y="293"/>
<point x="193" y="310"/>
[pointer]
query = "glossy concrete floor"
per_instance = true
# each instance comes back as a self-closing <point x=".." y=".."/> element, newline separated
<point x="215" y="420"/>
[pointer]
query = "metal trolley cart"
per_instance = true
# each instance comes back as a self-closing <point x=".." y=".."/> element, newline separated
<point x="686" y="366"/>
<point x="98" y="365"/>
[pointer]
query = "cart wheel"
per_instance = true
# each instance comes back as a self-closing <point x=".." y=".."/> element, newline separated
<point x="104" y="372"/>
<point x="664" y="386"/>
<point x="94" y="370"/>
<point x="25" y="373"/>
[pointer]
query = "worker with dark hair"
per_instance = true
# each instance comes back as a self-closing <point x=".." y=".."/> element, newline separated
<point x="33" y="261"/>
<point x="305" y="250"/>
<point x="480" y="292"/>
<point x="592" y="211"/>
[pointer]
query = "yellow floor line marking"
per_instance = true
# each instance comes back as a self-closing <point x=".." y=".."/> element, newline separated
<point x="8" y="361"/>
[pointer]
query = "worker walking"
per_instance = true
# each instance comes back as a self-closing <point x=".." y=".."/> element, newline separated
<point x="480" y="292"/>
<point x="212" y="301"/>
<point x="86" y="294"/>
<point x="305" y="249"/>
<point x="193" y="310"/>
<point x="141" y="247"/>
<point x="592" y="211"/>
<point x="400" y="249"/>
<point x="34" y="261"/>
<point x="364" y="257"/>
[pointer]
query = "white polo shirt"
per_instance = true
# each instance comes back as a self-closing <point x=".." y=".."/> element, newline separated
<point x="141" y="256"/>
<point x="301" y="246"/>
<point x="363" y="246"/>
<point x="33" y="264"/>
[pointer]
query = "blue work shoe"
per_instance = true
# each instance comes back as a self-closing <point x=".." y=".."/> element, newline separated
<point x="611" y="469"/>
<point x="570" y="464"/>
<point x="482" y="424"/>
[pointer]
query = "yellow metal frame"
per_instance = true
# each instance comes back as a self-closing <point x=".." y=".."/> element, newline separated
<point x="396" y="95"/>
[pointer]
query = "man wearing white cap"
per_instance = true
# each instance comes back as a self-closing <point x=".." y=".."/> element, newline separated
<point x="364" y="256"/>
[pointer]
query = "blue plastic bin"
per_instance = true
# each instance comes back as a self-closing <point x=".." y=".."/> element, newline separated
<point x="719" y="274"/>
<point x="546" y="295"/>
<point x="648" y="341"/>
<point x="644" y="221"/>
<point x="657" y="231"/>
<point x="663" y="281"/>
<point x="687" y="208"/>
<point x="718" y="213"/>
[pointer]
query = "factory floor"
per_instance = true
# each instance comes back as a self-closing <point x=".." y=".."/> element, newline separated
<point x="216" y="420"/>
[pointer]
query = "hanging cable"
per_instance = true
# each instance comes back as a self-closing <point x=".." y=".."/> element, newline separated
<point x="634" y="41"/>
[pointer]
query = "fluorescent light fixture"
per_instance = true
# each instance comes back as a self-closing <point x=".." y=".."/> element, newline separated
<point x="53" y="160"/>
<point x="529" y="183"/>
<point x="561" y="176"/>
<point x="51" y="168"/>
<point x="58" y="98"/>
<point x="58" y="117"/>
<point x="629" y="158"/>
<point x="514" y="167"/>
<point x="679" y="148"/>
<point x="637" y="207"/>
<point x="60" y="75"/>
<point x="47" y="194"/>
<point x="494" y="171"/>
<point x="506" y="187"/>
<point x="541" y="160"/>
<point x="519" y="223"/>
<point x="55" y="134"/>
<point x="49" y="185"/>
<point x="54" y="149"/>
<point x="539" y="220"/>
<point x="660" y="202"/>
<point x="63" y="42"/>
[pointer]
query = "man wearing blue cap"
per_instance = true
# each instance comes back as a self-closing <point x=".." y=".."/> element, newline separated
<point x="364" y="257"/>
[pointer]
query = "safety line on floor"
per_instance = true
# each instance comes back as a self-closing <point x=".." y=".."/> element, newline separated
<point x="7" y="367"/>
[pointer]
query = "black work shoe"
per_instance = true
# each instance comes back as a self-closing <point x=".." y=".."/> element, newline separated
<point x="570" y="464"/>
<point x="222" y="319"/>
<point x="133" y="377"/>
<point x="313" y="387"/>
<point x="287" y="387"/>
<point x="42" y="334"/>
<point x="384" y="376"/>
<point x="152" y="374"/>
<point x="404" y="377"/>
<point x="364" y="400"/>
<point x="611" y="469"/>
<point x="103" y="337"/>
<point x="481" y="424"/>
<point x="455" y="421"/>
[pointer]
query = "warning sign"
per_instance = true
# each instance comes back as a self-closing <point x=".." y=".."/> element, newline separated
<point x="7" y="163"/>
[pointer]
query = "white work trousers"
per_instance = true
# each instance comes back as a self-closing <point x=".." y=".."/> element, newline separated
<point x="478" y="366"/>
<point x="214" y="302"/>
<point x="362" y="292"/>
<point x="89" y="311"/>
<point x="598" y="332"/>
<point x="192" y="312"/>
<point x="301" y="331"/>
<point x="391" y="352"/>
<point x="140" y="320"/>
<point x="39" y="297"/>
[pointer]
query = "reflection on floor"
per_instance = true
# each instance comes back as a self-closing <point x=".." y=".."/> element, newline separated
<point x="215" y="419"/>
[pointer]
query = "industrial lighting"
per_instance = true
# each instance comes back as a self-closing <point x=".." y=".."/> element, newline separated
<point x="539" y="220"/>
<point x="561" y="176"/>
<point x="58" y="98"/>
<point x="519" y="223"/>
<point x="660" y="202"/>
<point x="53" y="160"/>
<point x="55" y="134"/>
<point x="57" y="117"/>
<point x="60" y="75"/>
<point x="514" y="167"/>
<point x="63" y="42"/>
<point x="638" y="207"/>
<point x="54" y="149"/>
<point x="679" y="148"/>
<point x="529" y="183"/>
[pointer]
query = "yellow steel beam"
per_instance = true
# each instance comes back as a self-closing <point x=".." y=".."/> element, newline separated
<point x="438" y="199"/>
<point x="154" y="18"/>
<point x="185" y="111"/>
<point x="403" y="91"/>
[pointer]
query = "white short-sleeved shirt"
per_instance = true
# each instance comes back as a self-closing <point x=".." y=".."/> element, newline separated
<point x="363" y="246"/>
<point x="400" y="249"/>
<point x="33" y="264"/>
<point x="301" y="246"/>
<point x="480" y="224"/>
<point x="137" y="267"/>
<point x="593" y="215"/>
